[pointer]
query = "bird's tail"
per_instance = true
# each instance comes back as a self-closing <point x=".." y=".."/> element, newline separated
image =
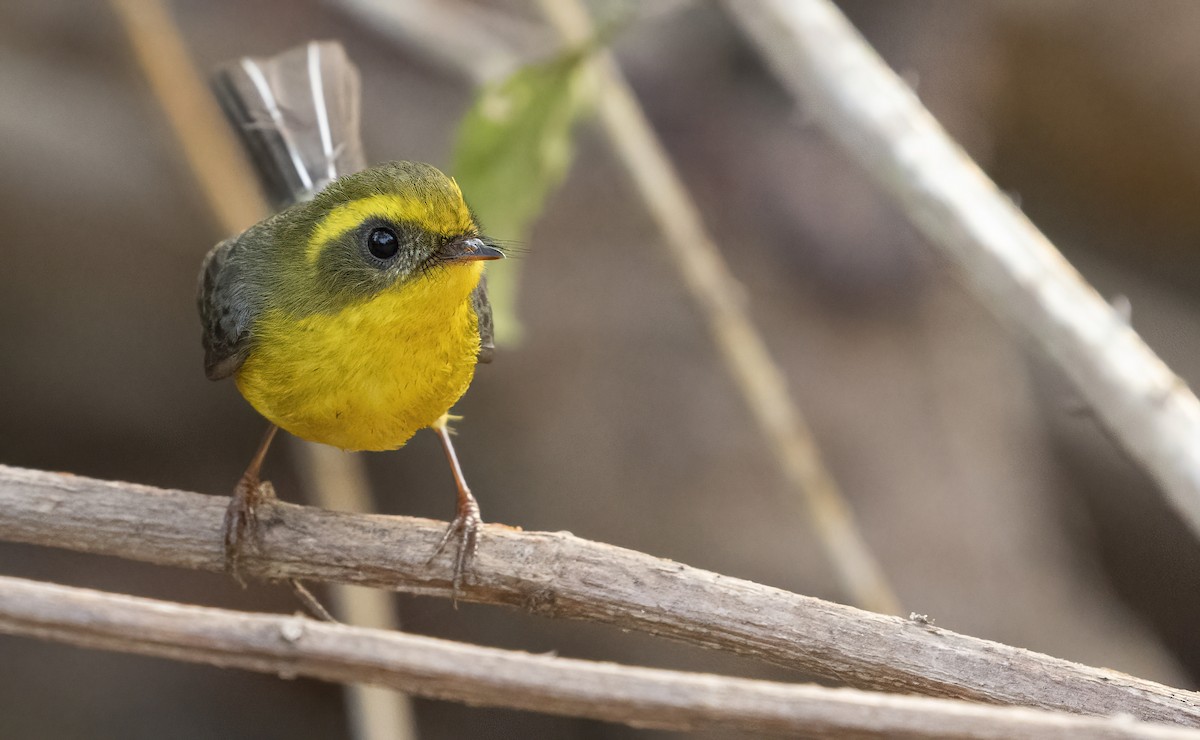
<point x="298" y="113"/>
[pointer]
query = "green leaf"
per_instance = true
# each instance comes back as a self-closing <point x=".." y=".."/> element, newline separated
<point x="514" y="147"/>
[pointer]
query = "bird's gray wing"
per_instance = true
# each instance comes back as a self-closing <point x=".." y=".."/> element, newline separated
<point x="483" y="311"/>
<point x="227" y="311"/>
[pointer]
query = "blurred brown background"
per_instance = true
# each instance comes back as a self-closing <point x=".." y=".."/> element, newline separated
<point x="995" y="505"/>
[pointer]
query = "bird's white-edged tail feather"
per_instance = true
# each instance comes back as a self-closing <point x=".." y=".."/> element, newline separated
<point x="299" y="114"/>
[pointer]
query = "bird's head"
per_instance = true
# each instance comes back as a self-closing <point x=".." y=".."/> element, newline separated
<point x="386" y="227"/>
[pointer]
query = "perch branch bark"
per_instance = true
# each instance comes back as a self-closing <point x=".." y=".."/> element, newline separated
<point x="559" y="575"/>
<point x="1011" y="266"/>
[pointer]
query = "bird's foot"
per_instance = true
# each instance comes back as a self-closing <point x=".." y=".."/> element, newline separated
<point x="241" y="521"/>
<point x="465" y="529"/>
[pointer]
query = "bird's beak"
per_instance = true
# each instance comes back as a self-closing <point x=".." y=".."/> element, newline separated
<point x="471" y="250"/>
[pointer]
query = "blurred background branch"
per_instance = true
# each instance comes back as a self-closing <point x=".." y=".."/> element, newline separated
<point x="1013" y="268"/>
<point x="556" y="574"/>
<point x="424" y="666"/>
<point x="212" y="154"/>
<point x="468" y="39"/>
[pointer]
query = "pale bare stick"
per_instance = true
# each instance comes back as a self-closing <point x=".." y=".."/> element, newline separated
<point x="558" y="575"/>
<point x="440" y="669"/>
<point x="1013" y="268"/>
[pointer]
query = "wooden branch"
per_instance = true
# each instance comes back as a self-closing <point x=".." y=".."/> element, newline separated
<point x="440" y="669"/>
<point x="558" y="575"/>
<point x="1013" y="268"/>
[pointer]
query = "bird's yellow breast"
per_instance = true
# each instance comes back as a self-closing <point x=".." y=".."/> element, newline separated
<point x="369" y="376"/>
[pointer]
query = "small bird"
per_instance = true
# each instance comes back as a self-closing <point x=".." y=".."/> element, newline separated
<point x="353" y="319"/>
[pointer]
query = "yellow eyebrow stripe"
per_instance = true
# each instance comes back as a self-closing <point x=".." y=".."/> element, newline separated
<point x="436" y="215"/>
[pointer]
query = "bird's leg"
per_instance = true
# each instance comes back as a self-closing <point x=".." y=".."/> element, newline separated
<point x="466" y="523"/>
<point x="241" y="518"/>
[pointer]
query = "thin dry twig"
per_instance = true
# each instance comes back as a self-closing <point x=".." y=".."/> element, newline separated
<point x="556" y="574"/>
<point x="440" y="669"/>
<point x="739" y="343"/>
<point x="1015" y="270"/>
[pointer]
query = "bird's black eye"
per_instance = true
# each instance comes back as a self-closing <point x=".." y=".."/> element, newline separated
<point x="382" y="243"/>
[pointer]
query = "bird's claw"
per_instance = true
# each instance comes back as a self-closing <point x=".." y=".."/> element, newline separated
<point x="241" y="522"/>
<point x="465" y="528"/>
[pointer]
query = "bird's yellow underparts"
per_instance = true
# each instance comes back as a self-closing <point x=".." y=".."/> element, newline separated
<point x="353" y="320"/>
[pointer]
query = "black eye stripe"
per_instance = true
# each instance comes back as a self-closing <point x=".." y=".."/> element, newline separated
<point x="383" y="243"/>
